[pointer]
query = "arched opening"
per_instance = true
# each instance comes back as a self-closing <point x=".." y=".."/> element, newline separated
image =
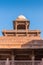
<point x="20" y="26"/>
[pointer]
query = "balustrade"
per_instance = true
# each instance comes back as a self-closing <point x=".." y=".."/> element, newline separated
<point x="18" y="62"/>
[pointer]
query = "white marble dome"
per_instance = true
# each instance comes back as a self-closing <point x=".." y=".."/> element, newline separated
<point x="21" y="17"/>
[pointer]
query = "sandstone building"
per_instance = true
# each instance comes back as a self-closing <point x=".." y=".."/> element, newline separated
<point x="21" y="44"/>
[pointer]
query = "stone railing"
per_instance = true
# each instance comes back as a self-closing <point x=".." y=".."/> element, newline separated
<point x="22" y="62"/>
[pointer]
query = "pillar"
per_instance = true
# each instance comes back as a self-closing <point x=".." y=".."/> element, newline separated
<point x="12" y="58"/>
<point x="26" y="29"/>
<point x="16" y="25"/>
<point x="7" y="62"/>
<point x="41" y="62"/>
<point x="33" y="60"/>
<point x="26" y="25"/>
<point x="33" y="57"/>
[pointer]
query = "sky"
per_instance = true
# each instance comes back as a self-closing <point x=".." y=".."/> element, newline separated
<point x="31" y="9"/>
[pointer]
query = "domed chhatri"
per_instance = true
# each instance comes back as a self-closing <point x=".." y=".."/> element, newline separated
<point x="21" y="22"/>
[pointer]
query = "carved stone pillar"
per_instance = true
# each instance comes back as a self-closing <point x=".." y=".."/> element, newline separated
<point x="12" y="58"/>
<point x="7" y="62"/>
<point x="16" y="25"/>
<point x="41" y="62"/>
<point x="33" y="60"/>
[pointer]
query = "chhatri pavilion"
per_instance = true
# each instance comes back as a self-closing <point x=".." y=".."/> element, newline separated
<point x="21" y="44"/>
